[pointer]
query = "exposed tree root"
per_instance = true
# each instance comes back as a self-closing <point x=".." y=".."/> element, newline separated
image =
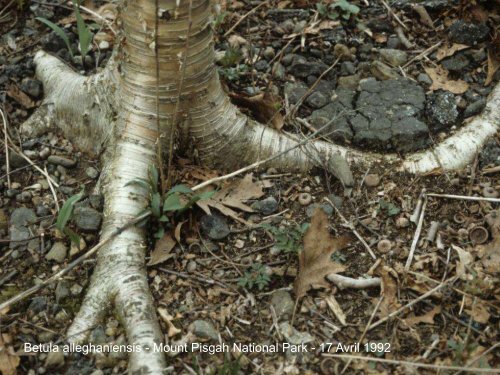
<point x="84" y="108"/>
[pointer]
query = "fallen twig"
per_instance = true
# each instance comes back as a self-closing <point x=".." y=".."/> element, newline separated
<point x="351" y="227"/>
<point x="417" y="235"/>
<point x="7" y="161"/>
<point x="251" y="11"/>
<point x="464" y="197"/>
<point x="411" y="303"/>
<point x="391" y="12"/>
<point x="344" y="282"/>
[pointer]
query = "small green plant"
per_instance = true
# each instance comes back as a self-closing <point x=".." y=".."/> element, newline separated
<point x="178" y="199"/>
<point x="84" y="34"/>
<point x="338" y="257"/>
<point x="389" y="208"/>
<point x="219" y="20"/>
<point x="337" y="9"/>
<point x="233" y="74"/>
<point x="288" y="239"/>
<point x="64" y="216"/>
<point x="230" y="367"/>
<point x="256" y="276"/>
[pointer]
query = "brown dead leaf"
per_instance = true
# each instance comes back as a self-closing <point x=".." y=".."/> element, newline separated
<point x="428" y="317"/>
<point x="447" y="51"/>
<point x="389" y="290"/>
<point x="315" y="259"/>
<point x="490" y="252"/>
<point x="233" y="195"/>
<point x="8" y="359"/>
<point x="265" y="107"/>
<point x="167" y="318"/>
<point x="465" y="258"/>
<point x="440" y="81"/>
<point x="477" y="310"/>
<point x="336" y="309"/>
<point x="162" y="250"/>
<point x="15" y="93"/>
<point x="493" y="65"/>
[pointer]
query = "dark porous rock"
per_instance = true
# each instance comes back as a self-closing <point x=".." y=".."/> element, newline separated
<point x="388" y="113"/>
<point x="61" y="160"/>
<point x="490" y="154"/>
<point x="11" y="193"/>
<point x="32" y="87"/>
<point x="393" y="42"/>
<point x="42" y="210"/>
<point x="335" y="35"/>
<point x="67" y="190"/>
<point x="17" y="235"/>
<point x="441" y="109"/>
<point x="23" y="197"/>
<point x="425" y="79"/>
<point x="317" y="100"/>
<point x="468" y="33"/>
<point x="380" y="25"/>
<point x="53" y="42"/>
<point x="393" y="57"/>
<point x="282" y="303"/>
<point x="347" y="68"/>
<point x="409" y="134"/>
<point x="456" y="63"/>
<point x="87" y="218"/>
<point x="295" y="91"/>
<point x="96" y="201"/>
<point x="475" y="108"/>
<point x="214" y="226"/>
<point x="349" y="82"/>
<point x="336" y="114"/>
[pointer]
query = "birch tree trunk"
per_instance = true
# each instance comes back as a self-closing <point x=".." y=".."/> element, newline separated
<point x="163" y="85"/>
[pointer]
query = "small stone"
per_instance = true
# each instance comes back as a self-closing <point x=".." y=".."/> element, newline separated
<point x="103" y="45"/>
<point x="76" y="289"/>
<point x="475" y="108"/>
<point x="214" y="226"/>
<point x="402" y="222"/>
<point x="44" y="153"/>
<point x="278" y="70"/>
<point x="191" y="266"/>
<point x="22" y="216"/>
<point x="295" y="91"/>
<point x="349" y="82"/>
<point x="55" y="358"/>
<point x="61" y="160"/>
<point x="269" y="52"/>
<point x="261" y="65"/>
<point x="57" y="253"/>
<point x="96" y="201"/>
<point x="16" y="161"/>
<point x="87" y="218"/>
<point x="424" y="78"/>
<point x="372" y="180"/>
<point x="205" y="329"/>
<point x="282" y="303"/>
<point x="327" y="209"/>
<point x="4" y="221"/>
<point x="38" y="304"/>
<point x="347" y="68"/>
<point x="336" y="200"/>
<point x="317" y="100"/>
<point x="382" y="71"/>
<point x="42" y="210"/>
<point x="62" y="291"/>
<point x="92" y="173"/>
<point x="75" y="249"/>
<point x="268" y="206"/>
<point x="23" y="197"/>
<point x="393" y="57"/>
<point x="456" y="63"/>
<point x="32" y="87"/>
<point x="393" y="42"/>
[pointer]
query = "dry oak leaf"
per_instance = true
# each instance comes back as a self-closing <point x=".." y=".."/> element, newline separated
<point x="162" y="250"/>
<point x="315" y="259"/>
<point x="440" y="81"/>
<point x="19" y="96"/>
<point x="428" y="317"/>
<point x="233" y="196"/>
<point x="389" y="289"/>
<point x="8" y="359"/>
<point x="447" y="51"/>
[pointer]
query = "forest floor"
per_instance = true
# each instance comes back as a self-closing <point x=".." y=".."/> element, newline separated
<point x="398" y="75"/>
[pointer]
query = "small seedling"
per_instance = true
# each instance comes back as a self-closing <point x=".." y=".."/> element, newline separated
<point x="65" y="215"/>
<point x="337" y="9"/>
<point x="177" y="200"/>
<point x="256" y="276"/>
<point x="288" y="240"/>
<point x="84" y="34"/>
<point x="390" y="208"/>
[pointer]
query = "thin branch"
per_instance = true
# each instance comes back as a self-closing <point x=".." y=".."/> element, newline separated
<point x="411" y="303"/>
<point x="464" y="197"/>
<point x="6" y="145"/>
<point x="344" y="282"/>
<point x="252" y="11"/>
<point x="417" y="234"/>
<point x="351" y="227"/>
